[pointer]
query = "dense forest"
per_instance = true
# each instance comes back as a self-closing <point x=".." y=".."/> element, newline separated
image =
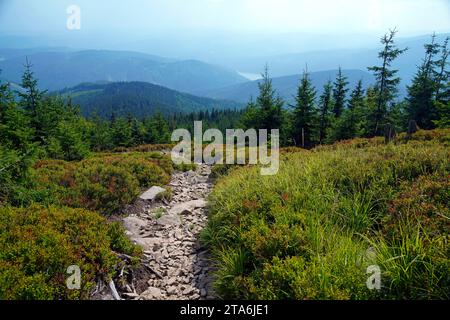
<point x="140" y="99"/>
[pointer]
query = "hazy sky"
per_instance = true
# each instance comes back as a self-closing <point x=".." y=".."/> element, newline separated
<point x="151" y="17"/>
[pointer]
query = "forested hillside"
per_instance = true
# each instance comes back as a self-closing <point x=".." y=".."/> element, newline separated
<point x="138" y="99"/>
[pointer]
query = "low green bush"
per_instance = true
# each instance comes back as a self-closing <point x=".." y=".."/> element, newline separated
<point x="104" y="182"/>
<point x="38" y="244"/>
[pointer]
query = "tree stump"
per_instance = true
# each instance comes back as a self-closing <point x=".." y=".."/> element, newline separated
<point x="412" y="128"/>
<point x="389" y="133"/>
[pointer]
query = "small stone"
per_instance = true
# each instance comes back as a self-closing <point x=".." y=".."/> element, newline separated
<point x="152" y="293"/>
<point x="172" y="290"/>
<point x="187" y="291"/>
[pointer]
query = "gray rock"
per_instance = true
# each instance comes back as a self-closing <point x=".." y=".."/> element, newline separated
<point x="152" y="293"/>
<point x="134" y="224"/>
<point x="188" y="207"/>
<point x="172" y="290"/>
<point x="152" y="193"/>
<point x="169" y="220"/>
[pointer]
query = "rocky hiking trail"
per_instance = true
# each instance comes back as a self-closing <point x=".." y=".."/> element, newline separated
<point x="176" y="266"/>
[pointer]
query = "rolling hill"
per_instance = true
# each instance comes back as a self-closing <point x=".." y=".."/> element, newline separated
<point x="140" y="99"/>
<point x="59" y="69"/>
<point x="285" y="86"/>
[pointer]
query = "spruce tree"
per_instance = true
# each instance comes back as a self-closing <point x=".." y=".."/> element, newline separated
<point x="420" y="102"/>
<point x="304" y="124"/>
<point x="325" y="105"/>
<point x="386" y="82"/>
<point x="339" y="94"/>
<point x="15" y="131"/>
<point x="349" y="125"/>
<point x="31" y="98"/>
<point x="442" y="75"/>
<point x="354" y="112"/>
<point x="269" y="104"/>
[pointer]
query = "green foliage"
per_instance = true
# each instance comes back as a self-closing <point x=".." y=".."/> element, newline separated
<point x="304" y="233"/>
<point x="266" y="112"/>
<point x="339" y="94"/>
<point x="104" y="183"/>
<point x="444" y="115"/>
<point x="141" y="99"/>
<point x="350" y="124"/>
<point x="421" y="107"/>
<point x="324" y="111"/>
<point x="387" y="82"/>
<point x="304" y="123"/>
<point x="38" y="244"/>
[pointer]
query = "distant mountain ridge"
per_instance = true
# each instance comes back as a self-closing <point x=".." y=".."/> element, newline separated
<point x="139" y="99"/>
<point x="287" y="86"/>
<point x="61" y="68"/>
<point x="322" y="60"/>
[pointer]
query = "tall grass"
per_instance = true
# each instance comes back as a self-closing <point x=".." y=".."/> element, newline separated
<point x="304" y="233"/>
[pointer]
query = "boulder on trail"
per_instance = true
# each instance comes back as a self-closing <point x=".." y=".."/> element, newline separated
<point x="187" y="207"/>
<point x="152" y="193"/>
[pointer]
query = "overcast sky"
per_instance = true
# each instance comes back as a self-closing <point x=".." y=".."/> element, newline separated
<point x="152" y="17"/>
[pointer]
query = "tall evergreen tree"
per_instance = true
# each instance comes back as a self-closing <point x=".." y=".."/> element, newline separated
<point x="121" y="133"/>
<point x="158" y="129"/>
<point x="304" y="124"/>
<point x="386" y="82"/>
<point x="349" y="125"/>
<point x="325" y="105"/>
<point x="420" y="106"/>
<point x="31" y="98"/>
<point x="442" y="75"/>
<point x="15" y="131"/>
<point x="339" y="93"/>
<point x="270" y="104"/>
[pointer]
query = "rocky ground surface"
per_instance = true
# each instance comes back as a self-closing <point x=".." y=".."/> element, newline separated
<point x="177" y="265"/>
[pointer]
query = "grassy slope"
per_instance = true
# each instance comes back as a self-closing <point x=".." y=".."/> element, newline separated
<point x="311" y="231"/>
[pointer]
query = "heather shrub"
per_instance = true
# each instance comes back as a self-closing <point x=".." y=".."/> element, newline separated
<point x="105" y="182"/>
<point x="38" y="244"/>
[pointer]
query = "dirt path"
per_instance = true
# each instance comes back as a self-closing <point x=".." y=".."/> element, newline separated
<point x="168" y="233"/>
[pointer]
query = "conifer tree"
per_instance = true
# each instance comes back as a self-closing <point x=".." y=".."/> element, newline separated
<point x="15" y="131"/>
<point x="386" y="82"/>
<point x="304" y="124"/>
<point x="31" y="98"/>
<point x="325" y="105"/>
<point x="420" y="102"/>
<point x="349" y="125"/>
<point x="269" y="104"/>
<point x="339" y="94"/>
<point x="442" y="74"/>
